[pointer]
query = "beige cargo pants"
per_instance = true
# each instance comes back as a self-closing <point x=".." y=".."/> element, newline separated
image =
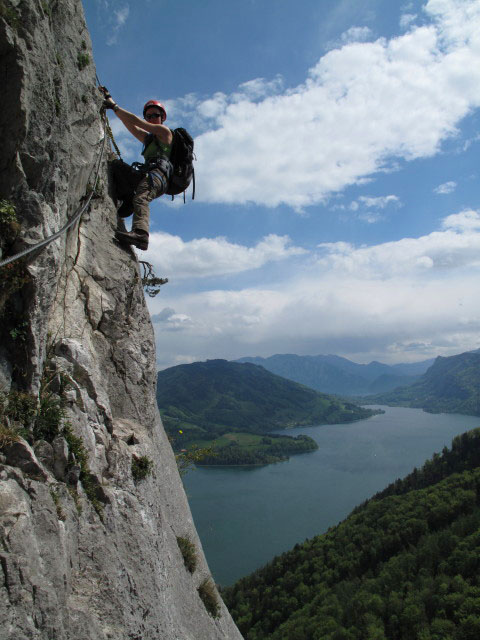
<point x="152" y="186"/>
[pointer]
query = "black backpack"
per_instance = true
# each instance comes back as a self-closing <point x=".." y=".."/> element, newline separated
<point x="182" y="158"/>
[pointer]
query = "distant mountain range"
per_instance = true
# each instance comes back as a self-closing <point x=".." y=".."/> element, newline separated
<point x="204" y="399"/>
<point x="450" y="385"/>
<point x="334" y="374"/>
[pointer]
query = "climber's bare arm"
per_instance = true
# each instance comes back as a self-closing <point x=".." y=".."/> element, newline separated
<point x="139" y="128"/>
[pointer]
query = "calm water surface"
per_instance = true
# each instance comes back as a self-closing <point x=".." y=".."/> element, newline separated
<point x="247" y="515"/>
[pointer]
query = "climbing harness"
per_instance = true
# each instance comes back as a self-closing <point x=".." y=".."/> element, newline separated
<point x="75" y="216"/>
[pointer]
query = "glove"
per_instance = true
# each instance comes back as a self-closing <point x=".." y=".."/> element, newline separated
<point x="109" y="103"/>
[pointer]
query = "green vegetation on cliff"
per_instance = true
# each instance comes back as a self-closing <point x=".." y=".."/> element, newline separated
<point x="208" y="399"/>
<point x="405" y="565"/>
<point x="451" y="385"/>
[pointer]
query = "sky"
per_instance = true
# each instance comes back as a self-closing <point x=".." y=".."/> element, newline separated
<point x="337" y="205"/>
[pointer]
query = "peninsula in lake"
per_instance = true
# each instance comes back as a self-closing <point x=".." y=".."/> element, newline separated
<point x="232" y="406"/>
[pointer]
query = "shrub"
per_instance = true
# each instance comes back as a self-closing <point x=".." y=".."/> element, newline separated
<point x="8" y="435"/>
<point x="19" y="407"/>
<point x="188" y="552"/>
<point x="141" y="467"/>
<point x="51" y="414"/>
<point x="208" y="595"/>
<point x="83" y="60"/>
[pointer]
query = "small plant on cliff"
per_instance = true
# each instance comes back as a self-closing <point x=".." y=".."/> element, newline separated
<point x="8" y="213"/>
<point x="17" y="411"/>
<point x="150" y="282"/>
<point x="189" y="553"/>
<point x="209" y="597"/>
<point x="13" y="276"/>
<point x="8" y="435"/>
<point x="9" y="225"/>
<point x="20" y="331"/>
<point x="80" y="455"/>
<point x="83" y="60"/>
<point x="9" y="14"/>
<point x="58" y="505"/>
<point x="50" y="417"/>
<point x="141" y="467"/>
<point x="47" y="8"/>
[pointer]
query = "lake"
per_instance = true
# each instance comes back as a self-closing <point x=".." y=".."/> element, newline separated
<point x="247" y="515"/>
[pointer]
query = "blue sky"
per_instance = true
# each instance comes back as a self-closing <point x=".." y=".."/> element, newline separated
<point x="337" y="206"/>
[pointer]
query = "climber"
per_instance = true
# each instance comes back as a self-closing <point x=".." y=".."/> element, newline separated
<point x="157" y="168"/>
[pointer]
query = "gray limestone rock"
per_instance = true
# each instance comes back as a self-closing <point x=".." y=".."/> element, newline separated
<point x="73" y="474"/>
<point x="97" y="559"/>
<point x="44" y="452"/>
<point x="20" y="454"/>
<point x="60" y="457"/>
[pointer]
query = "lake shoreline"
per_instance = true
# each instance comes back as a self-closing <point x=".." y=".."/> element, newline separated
<point x="264" y="510"/>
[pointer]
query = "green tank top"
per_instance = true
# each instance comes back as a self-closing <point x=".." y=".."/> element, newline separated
<point x="156" y="149"/>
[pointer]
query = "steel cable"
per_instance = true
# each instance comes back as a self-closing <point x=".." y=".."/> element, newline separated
<point x="75" y="216"/>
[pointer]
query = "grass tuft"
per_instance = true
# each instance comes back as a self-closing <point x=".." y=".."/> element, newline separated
<point x="188" y="552"/>
<point x="208" y="595"/>
<point x="141" y="467"/>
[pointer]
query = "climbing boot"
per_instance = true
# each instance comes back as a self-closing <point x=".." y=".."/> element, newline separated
<point x="137" y="237"/>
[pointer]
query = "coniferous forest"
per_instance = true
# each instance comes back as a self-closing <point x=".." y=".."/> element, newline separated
<point x="405" y="565"/>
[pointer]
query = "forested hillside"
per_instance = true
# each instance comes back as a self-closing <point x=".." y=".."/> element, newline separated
<point x="214" y="397"/>
<point x="451" y="385"/>
<point x="403" y="566"/>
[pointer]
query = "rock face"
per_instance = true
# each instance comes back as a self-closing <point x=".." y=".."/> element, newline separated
<point x="98" y="561"/>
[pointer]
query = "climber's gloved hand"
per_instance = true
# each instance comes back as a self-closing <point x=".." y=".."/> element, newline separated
<point x="105" y="91"/>
<point x="109" y="103"/>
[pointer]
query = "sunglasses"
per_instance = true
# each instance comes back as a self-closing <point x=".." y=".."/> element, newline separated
<point x="152" y="116"/>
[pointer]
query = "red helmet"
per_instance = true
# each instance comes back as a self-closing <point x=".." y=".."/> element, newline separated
<point x="155" y="103"/>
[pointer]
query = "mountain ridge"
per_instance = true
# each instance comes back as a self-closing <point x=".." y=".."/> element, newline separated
<point x="338" y="375"/>
<point x="218" y="395"/>
<point x="450" y="385"/>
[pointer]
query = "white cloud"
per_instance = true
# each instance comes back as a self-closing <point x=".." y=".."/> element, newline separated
<point x="356" y="34"/>
<point x="362" y="106"/>
<point x="372" y="302"/>
<point x="203" y="257"/>
<point x="457" y="246"/>
<point x="128" y="145"/>
<point x="369" y="208"/>
<point x="120" y="16"/>
<point x="171" y="321"/>
<point x="379" y="202"/>
<point x="445" y="188"/>
<point x="464" y="221"/>
<point x="407" y="19"/>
